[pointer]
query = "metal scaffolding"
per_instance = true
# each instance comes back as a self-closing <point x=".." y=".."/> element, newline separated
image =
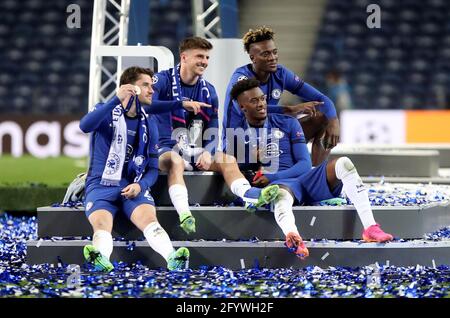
<point x="109" y="39"/>
<point x="206" y="17"/>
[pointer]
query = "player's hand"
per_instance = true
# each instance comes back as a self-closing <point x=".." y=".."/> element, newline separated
<point x="131" y="191"/>
<point x="332" y="133"/>
<point x="125" y="91"/>
<point x="194" y="106"/>
<point x="204" y="161"/>
<point x="308" y="108"/>
<point x="260" y="181"/>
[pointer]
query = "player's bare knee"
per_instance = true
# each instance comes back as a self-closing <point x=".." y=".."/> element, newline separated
<point x="176" y="163"/>
<point x="101" y="224"/>
<point x="343" y="167"/>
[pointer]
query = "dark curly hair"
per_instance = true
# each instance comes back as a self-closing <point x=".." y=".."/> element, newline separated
<point x="260" y="34"/>
<point x="242" y="86"/>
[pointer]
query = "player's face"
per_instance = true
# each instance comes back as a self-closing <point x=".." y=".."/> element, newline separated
<point x="264" y="56"/>
<point x="195" y="60"/>
<point x="145" y="83"/>
<point x="253" y="103"/>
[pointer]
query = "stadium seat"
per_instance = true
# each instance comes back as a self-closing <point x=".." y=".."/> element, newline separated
<point x="415" y="55"/>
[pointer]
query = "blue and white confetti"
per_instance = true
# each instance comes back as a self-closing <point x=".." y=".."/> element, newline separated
<point x="18" y="279"/>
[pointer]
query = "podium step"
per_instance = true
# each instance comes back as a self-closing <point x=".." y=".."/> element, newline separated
<point x="234" y="223"/>
<point x="238" y="255"/>
<point x="391" y="163"/>
<point x="442" y="148"/>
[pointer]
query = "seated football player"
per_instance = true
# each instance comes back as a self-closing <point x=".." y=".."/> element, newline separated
<point x="185" y="107"/>
<point x="280" y="139"/>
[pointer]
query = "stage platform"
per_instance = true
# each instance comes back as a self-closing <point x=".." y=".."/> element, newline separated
<point x="238" y="255"/>
<point x="234" y="223"/>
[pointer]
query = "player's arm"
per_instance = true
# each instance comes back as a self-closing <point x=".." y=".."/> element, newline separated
<point x="300" y="153"/>
<point x="232" y="115"/>
<point x="211" y="145"/>
<point x="160" y="104"/>
<point x="94" y="119"/>
<point x="151" y="174"/>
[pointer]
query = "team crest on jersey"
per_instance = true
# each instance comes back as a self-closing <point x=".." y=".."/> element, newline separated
<point x="242" y="77"/>
<point x="276" y="93"/>
<point x="278" y="134"/>
<point x="89" y="205"/>
<point x="155" y="79"/>
<point x="112" y="164"/>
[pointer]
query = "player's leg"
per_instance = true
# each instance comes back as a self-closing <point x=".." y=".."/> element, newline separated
<point x="102" y="243"/>
<point x="173" y="164"/>
<point x="144" y="217"/>
<point x="343" y="169"/>
<point x="284" y="216"/>
<point x="239" y="185"/>
<point x="314" y="129"/>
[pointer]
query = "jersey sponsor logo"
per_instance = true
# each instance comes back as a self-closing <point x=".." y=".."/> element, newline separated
<point x="276" y="93"/>
<point x="272" y="150"/>
<point x="112" y="164"/>
<point x="242" y="77"/>
<point x="155" y="79"/>
<point x="89" y="205"/>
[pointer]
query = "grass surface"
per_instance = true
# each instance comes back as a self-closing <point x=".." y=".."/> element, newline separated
<point x="50" y="171"/>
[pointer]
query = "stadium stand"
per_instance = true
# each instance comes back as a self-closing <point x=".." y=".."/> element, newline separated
<point x="403" y="64"/>
<point x="44" y="65"/>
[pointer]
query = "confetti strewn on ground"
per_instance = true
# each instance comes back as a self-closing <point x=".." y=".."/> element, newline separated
<point x="135" y="280"/>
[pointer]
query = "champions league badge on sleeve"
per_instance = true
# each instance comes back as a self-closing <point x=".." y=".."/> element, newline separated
<point x="276" y="93"/>
<point x="155" y="79"/>
<point x="139" y="160"/>
<point x="242" y="77"/>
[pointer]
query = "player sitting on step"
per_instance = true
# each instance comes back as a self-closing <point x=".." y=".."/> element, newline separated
<point x="123" y="167"/>
<point x="280" y="140"/>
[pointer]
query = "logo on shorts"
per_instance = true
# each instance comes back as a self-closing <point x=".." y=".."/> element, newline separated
<point x="148" y="196"/>
<point x="155" y="79"/>
<point x="243" y="77"/>
<point x="112" y="164"/>
<point x="276" y="93"/>
<point x="89" y="206"/>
